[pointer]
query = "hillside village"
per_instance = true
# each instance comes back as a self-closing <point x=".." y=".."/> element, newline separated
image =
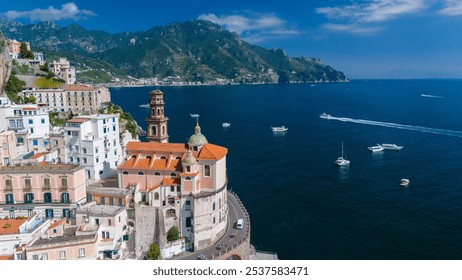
<point x="75" y="183"/>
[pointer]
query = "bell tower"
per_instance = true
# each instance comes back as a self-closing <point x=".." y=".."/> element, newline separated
<point x="157" y="122"/>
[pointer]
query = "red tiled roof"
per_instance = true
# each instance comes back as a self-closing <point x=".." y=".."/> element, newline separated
<point x="212" y="152"/>
<point x="37" y="155"/>
<point x="58" y="223"/>
<point x="13" y="227"/>
<point x="171" y="181"/>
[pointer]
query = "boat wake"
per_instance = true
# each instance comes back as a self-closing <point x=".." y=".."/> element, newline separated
<point x="431" y="96"/>
<point x="446" y="132"/>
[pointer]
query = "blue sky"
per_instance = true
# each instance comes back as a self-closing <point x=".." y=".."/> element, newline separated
<point x="364" y="39"/>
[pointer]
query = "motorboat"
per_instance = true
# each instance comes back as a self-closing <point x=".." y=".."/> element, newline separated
<point x="225" y="124"/>
<point x="325" y="116"/>
<point x="376" y="149"/>
<point x="393" y="147"/>
<point x="146" y="106"/>
<point x="342" y="161"/>
<point x="404" y="182"/>
<point x="279" y="128"/>
<point x="194" y="115"/>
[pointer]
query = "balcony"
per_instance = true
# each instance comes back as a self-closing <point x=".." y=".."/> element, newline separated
<point x="46" y="187"/>
<point x="27" y="187"/>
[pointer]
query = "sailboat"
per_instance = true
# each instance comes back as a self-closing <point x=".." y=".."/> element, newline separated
<point x="342" y="161"/>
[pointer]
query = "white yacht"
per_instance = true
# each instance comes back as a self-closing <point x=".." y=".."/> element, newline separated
<point x="194" y="115"/>
<point x="376" y="149"/>
<point x="325" y="116"/>
<point x="146" y="106"/>
<point x="225" y="124"/>
<point x="404" y="182"/>
<point x="279" y="128"/>
<point x="342" y="161"/>
<point x="393" y="147"/>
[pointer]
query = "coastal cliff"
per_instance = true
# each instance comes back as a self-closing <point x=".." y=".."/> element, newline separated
<point x="5" y="65"/>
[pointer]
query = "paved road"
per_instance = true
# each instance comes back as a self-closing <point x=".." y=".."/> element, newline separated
<point x="232" y="235"/>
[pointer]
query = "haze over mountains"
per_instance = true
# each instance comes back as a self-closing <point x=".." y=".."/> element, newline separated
<point x="193" y="51"/>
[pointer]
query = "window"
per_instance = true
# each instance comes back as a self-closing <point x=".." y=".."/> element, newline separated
<point x="187" y="205"/>
<point x="31" y="130"/>
<point x="35" y="142"/>
<point x="178" y="188"/>
<point x="27" y="183"/>
<point x="28" y="198"/>
<point x="44" y="256"/>
<point x="113" y="128"/>
<point x="89" y="198"/>
<point x="49" y="214"/>
<point x="65" y="197"/>
<point x="171" y="213"/>
<point x="101" y="172"/>
<point x="173" y="175"/>
<point x="207" y="170"/>
<point x="47" y="198"/>
<point x="125" y="173"/>
<point x="46" y="183"/>
<point x="156" y="196"/>
<point x="82" y="252"/>
<point x="31" y="121"/>
<point x="8" y="184"/>
<point x="9" y="198"/>
<point x="213" y="206"/>
<point x="157" y="174"/>
<point x="35" y="257"/>
<point x="111" y="202"/>
<point x="188" y="222"/>
<point x="43" y="120"/>
<point x="29" y="212"/>
<point x="115" y="152"/>
<point x="62" y="255"/>
<point x="69" y="133"/>
<point x="64" y="183"/>
<point x="120" y="203"/>
<point x="84" y="150"/>
<point x="97" y="159"/>
<point x="172" y="188"/>
<point x="103" y="200"/>
<point x="85" y="160"/>
<point x="11" y="214"/>
<point x="96" y="150"/>
<point x="109" y="221"/>
<point x="140" y="173"/>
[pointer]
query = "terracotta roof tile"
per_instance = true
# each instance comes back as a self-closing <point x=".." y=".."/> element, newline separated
<point x="13" y="227"/>
<point x="212" y="152"/>
<point x="37" y="155"/>
<point x="6" y="258"/>
<point x="57" y="224"/>
<point x="154" y="187"/>
<point x="171" y="181"/>
<point x="156" y="147"/>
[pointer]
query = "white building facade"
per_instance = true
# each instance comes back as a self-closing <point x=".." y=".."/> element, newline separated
<point x="93" y="142"/>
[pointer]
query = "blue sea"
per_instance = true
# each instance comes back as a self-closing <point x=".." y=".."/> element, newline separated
<point x="301" y="205"/>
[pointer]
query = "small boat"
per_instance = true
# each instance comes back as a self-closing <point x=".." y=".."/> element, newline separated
<point x="279" y="128"/>
<point x="325" y="116"/>
<point x="404" y="182"/>
<point x="194" y="115"/>
<point x="225" y="124"/>
<point x="393" y="147"/>
<point x="146" y="106"/>
<point x="376" y="149"/>
<point x="342" y="161"/>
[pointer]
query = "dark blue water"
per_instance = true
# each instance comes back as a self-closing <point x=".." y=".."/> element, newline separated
<point x="304" y="207"/>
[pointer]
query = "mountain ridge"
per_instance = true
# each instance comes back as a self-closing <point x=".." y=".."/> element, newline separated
<point x="193" y="51"/>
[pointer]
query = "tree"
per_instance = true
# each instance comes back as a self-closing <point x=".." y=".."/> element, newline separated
<point x="13" y="86"/>
<point x="153" y="252"/>
<point x="173" y="234"/>
<point x="24" y="52"/>
<point x="45" y="67"/>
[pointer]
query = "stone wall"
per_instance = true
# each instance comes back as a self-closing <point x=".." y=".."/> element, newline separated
<point x="145" y="224"/>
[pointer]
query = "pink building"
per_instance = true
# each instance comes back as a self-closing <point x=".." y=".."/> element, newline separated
<point x="54" y="190"/>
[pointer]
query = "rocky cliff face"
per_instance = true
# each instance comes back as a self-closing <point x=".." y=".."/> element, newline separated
<point x="5" y="65"/>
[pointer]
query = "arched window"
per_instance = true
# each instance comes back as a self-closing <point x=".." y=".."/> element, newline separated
<point x="125" y="173"/>
<point x="157" y="174"/>
<point x="178" y="157"/>
<point x="156" y="196"/>
<point x="163" y="130"/>
<point x="188" y="178"/>
<point x="163" y="157"/>
<point x="158" y="111"/>
<point x="133" y="156"/>
<point x="148" y="157"/>
<point x="154" y="130"/>
<point x="173" y="175"/>
<point x="65" y="197"/>
<point x="178" y="189"/>
<point x="172" y="188"/>
<point x="140" y="173"/>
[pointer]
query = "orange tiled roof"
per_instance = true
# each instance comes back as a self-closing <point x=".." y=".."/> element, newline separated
<point x="37" y="155"/>
<point x="78" y="87"/>
<point x="150" y="164"/>
<point x="12" y="229"/>
<point x="171" y="181"/>
<point x="6" y="258"/>
<point x="212" y="152"/>
<point x="189" y="174"/>
<point x="29" y="109"/>
<point x="58" y="223"/>
<point x="156" y="147"/>
<point x="154" y="187"/>
<point x="80" y="120"/>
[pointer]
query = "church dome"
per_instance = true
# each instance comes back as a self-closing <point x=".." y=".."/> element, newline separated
<point x="189" y="159"/>
<point x="197" y="139"/>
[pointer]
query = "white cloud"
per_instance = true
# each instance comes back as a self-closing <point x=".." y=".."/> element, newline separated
<point x="452" y="8"/>
<point x="253" y="27"/>
<point x="358" y="17"/>
<point x="67" y="11"/>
